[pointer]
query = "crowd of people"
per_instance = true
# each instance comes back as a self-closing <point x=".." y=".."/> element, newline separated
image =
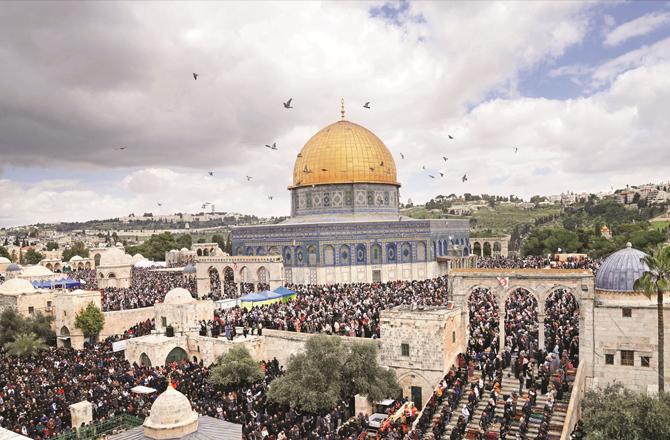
<point x="339" y="309"/>
<point x="88" y="277"/>
<point x="147" y="287"/>
<point x="538" y="262"/>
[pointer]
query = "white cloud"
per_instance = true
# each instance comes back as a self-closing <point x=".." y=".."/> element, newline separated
<point x="636" y="28"/>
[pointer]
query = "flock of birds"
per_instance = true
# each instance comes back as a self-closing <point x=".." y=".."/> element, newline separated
<point x="288" y="105"/>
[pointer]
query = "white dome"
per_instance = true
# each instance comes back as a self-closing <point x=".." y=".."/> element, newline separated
<point x="76" y="258"/>
<point x="4" y="260"/>
<point x="138" y="257"/>
<point x="171" y="413"/>
<point x="184" y="250"/>
<point x="115" y="257"/>
<point x="16" y="286"/>
<point x="173" y="251"/>
<point x="36" y="271"/>
<point x="178" y="295"/>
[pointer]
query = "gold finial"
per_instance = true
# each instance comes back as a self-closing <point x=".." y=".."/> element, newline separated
<point x="170" y="380"/>
<point x="342" y="108"/>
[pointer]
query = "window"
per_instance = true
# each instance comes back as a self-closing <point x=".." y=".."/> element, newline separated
<point x="609" y="359"/>
<point x="644" y="361"/>
<point x="163" y="321"/>
<point x="48" y="304"/>
<point x="404" y="349"/>
<point x="627" y="312"/>
<point x="628" y="357"/>
<point x="453" y="337"/>
<point x="31" y="310"/>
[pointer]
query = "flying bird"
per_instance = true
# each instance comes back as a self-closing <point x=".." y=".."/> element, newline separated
<point x="464" y="178"/>
<point x="211" y="173"/>
<point x="441" y="174"/>
<point x="423" y="167"/>
<point x="195" y="76"/>
<point x="372" y="168"/>
<point x="287" y="104"/>
<point x="270" y="197"/>
<point x="160" y="204"/>
<point x="381" y="164"/>
<point x="299" y="154"/>
<point x="249" y="178"/>
<point x="366" y="105"/>
<point x="431" y="176"/>
<point x="306" y="170"/>
<point x="516" y="149"/>
<point x="445" y="158"/>
<point x="450" y="136"/>
<point x="273" y="146"/>
<point x="122" y="148"/>
<point x="402" y="155"/>
<point x="324" y="169"/>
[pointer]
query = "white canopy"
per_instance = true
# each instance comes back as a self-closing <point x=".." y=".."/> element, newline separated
<point x="141" y="389"/>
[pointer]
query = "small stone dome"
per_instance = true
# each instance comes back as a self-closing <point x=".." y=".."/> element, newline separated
<point x="620" y="270"/>
<point x="36" y="271"/>
<point x="13" y="268"/>
<point x="184" y="250"/>
<point x="76" y="258"/>
<point x="178" y="295"/>
<point x="189" y="269"/>
<point x="171" y="416"/>
<point x="16" y="286"/>
<point x="4" y="260"/>
<point x="115" y="257"/>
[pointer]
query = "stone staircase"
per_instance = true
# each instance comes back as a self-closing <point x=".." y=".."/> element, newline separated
<point x="508" y="386"/>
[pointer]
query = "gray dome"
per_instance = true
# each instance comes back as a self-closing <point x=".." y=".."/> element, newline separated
<point x="189" y="269"/>
<point x="620" y="270"/>
<point x="13" y="268"/>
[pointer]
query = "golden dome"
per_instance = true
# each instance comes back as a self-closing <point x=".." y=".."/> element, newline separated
<point x="344" y="152"/>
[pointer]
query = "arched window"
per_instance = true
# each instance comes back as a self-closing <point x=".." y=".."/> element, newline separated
<point x="487" y="249"/>
<point x="311" y="255"/>
<point x="445" y="247"/>
<point x="177" y="354"/>
<point x="250" y="250"/>
<point x="288" y="255"/>
<point x="299" y="256"/>
<point x="391" y="253"/>
<point x="376" y="251"/>
<point x="260" y="250"/>
<point x="361" y="254"/>
<point x="421" y="251"/>
<point x="406" y="253"/>
<point x="345" y="255"/>
<point x="199" y="252"/>
<point x="328" y="255"/>
<point x="273" y="250"/>
<point x="238" y="250"/>
<point x="441" y="248"/>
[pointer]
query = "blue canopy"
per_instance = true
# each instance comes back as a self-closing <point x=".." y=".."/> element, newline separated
<point x="260" y="296"/>
<point x="68" y="283"/>
<point x="283" y="291"/>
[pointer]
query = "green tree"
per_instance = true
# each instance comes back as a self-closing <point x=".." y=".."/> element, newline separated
<point x="11" y="325"/>
<point x="40" y="325"/>
<point x="90" y="321"/>
<point x="220" y="240"/>
<point x="52" y="246"/>
<point x="618" y="413"/>
<point x="656" y="281"/>
<point x="32" y="257"/>
<point x="4" y="252"/>
<point x="78" y="248"/>
<point x="236" y="368"/>
<point x="25" y="344"/>
<point x="158" y="244"/>
<point x="351" y="370"/>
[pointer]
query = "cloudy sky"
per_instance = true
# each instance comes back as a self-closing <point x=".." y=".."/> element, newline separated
<point x="582" y="89"/>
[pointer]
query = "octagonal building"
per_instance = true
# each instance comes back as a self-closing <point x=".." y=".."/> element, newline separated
<point x="345" y="223"/>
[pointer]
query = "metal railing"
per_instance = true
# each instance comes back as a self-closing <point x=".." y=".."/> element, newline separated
<point x="103" y="428"/>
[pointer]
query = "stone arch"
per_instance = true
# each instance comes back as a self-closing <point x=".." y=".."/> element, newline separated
<point x="477" y="248"/>
<point x="483" y="317"/>
<point x="199" y="252"/>
<point x="361" y="254"/>
<point x="80" y="266"/>
<point x="238" y="250"/>
<point x="205" y="252"/>
<point x="274" y="250"/>
<point x="288" y="254"/>
<point x="49" y="266"/>
<point x="263" y="275"/>
<point x="101" y="275"/>
<point x="328" y="255"/>
<point x="406" y="253"/>
<point x="521" y="317"/>
<point x="249" y="251"/>
<point x="486" y="249"/>
<point x="299" y="255"/>
<point x="559" y="322"/>
<point x="415" y="378"/>
<point x="421" y="251"/>
<point x="58" y="268"/>
<point x="229" y="285"/>
<point x="497" y="248"/>
<point x="64" y="331"/>
<point x="144" y="360"/>
<point x="111" y="275"/>
<point x="260" y="250"/>
<point x="214" y="280"/>
<point x="311" y="255"/>
<point x="376" y="254"/>
<point x="345" y="254"/>
<point x="391" y="253"/>
<point x="96" y="258"/>
<point x="244" y="274"/>
<point x="175" y="355"/>
<point x="87" y="265"/>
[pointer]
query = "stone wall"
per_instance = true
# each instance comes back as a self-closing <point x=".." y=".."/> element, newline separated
<point x="117" y="322"/>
